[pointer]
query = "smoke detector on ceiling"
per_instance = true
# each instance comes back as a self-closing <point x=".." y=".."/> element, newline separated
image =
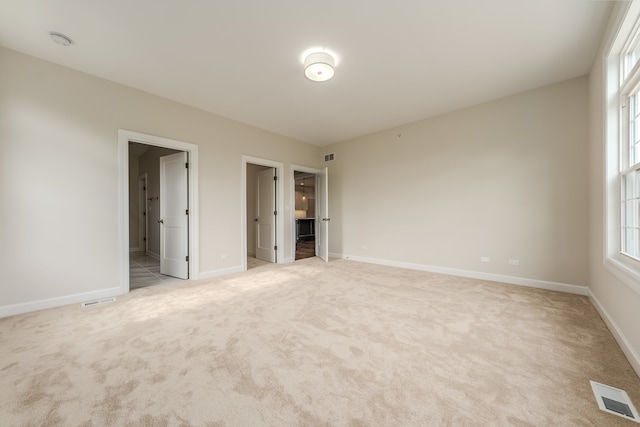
<point x="60" y="38"/>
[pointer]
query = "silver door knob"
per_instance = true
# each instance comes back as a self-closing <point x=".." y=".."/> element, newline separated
<point x="161" y="221"/>
<point x="326" y="219"/>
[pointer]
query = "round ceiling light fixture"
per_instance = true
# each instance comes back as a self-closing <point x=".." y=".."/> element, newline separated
<point x="60" y="38"/>
<point x="318" y="66"/>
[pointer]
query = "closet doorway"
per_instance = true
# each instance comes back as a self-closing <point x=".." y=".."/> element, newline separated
<point x="261" y="207"/>
<point x="261" y="218"/>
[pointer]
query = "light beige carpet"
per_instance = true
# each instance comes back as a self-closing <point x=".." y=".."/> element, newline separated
<point x="314" y="344"/>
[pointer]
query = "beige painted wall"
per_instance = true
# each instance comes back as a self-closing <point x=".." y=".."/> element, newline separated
<point x="619" y="301"/>
<point x="505" y="179"/>
<point x="59" y="177"/>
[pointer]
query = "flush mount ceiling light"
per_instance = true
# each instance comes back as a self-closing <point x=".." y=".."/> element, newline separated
<point x="318" y="66"/>
<point x="60" y="38"/>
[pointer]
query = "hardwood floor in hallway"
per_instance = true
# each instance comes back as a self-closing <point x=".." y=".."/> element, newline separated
<point x="305" y="248"/>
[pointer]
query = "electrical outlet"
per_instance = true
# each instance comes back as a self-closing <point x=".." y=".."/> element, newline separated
<point x="514" y="262"/>
<point x="485" y="259"/>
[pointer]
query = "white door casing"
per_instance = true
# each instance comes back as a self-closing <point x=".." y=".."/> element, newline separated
<point x="174" y="220"/>
<point x="265" y="218"/>
<point x="322" y="214"/>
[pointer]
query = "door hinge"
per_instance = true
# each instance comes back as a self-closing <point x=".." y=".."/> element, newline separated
<point x="275" y="178"/>
<point x="144" y="188"/>
<point x="186" y="212"/>
<point x="275" y="212"/>
<point x="187" y="258"/>
<point x="275" y="248"/>
<point x="186" y="165"/>
<point x="144" y="213"/>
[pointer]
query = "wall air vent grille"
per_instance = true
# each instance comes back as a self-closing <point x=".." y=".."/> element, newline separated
<point x="97" y="302"/>
<point x="329" y="157"/>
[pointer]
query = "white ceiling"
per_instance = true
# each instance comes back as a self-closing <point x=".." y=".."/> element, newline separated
<point x="397" y="61"/>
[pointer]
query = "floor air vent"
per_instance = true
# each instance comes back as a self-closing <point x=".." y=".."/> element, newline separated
<point x="614" y="401"/>
<point x="98" y="301"/>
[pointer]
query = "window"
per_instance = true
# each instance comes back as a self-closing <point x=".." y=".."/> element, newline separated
<point x="631" y="53"/>
<point x="622" y="184"/>
<point x="630" y="175"/>
<point x="629" y="145"/>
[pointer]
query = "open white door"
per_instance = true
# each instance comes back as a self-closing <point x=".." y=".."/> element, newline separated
<point x="322" y="216"/>
<point x="174" y="220"/>
<point x="265" y="216"/>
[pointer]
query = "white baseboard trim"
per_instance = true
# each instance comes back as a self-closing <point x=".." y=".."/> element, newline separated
<point x="520" y="281"/>
<point x="251" y="254"/>
<point x="222" y="272"/>
<point x="153" y="255"/>
<point x="131" y="250"/>
<point x="12" y="310"/>
<point x="621" y="339"/>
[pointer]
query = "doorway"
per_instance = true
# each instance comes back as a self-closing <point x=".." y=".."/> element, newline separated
<point x="261" y="207"/>
<point x="261" y="215"/>
<point x="310" y="219"/>
<point x="161" y="202"/>
<point x="305" y="214"/>
<point x="143" y="253"/>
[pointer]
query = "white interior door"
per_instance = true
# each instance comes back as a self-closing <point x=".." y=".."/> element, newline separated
<point x="174" y="220"/>
<point x="322" y="214"/>
<point x="265" y="215"/>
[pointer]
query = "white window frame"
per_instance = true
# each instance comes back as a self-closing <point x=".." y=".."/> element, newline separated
<point x="616" y="69"/>
<point x="629" y="161"/>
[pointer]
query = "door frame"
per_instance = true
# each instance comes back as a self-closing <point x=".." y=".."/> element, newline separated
<point x="280" y="258"/>
<point x="124" y="137"/>
<point x="292" y="219"/>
